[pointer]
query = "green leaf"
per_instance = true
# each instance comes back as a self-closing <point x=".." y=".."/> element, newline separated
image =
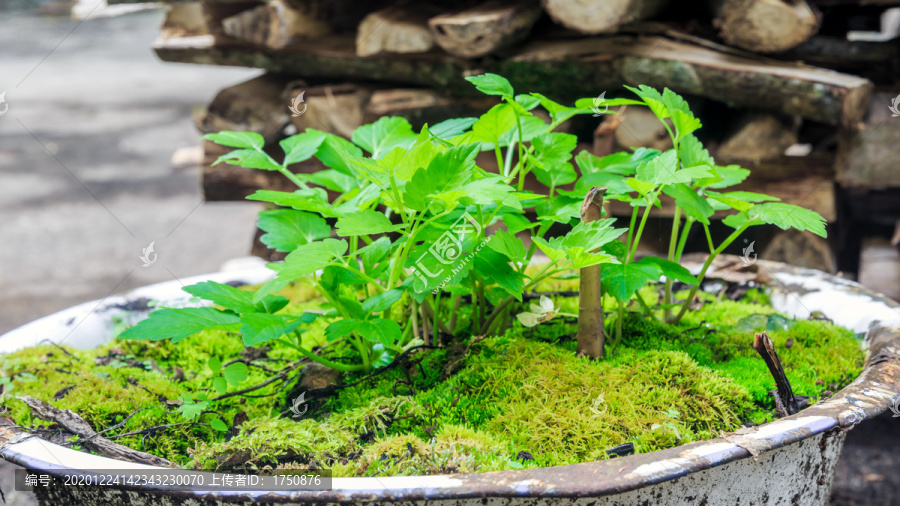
<point x="301" y="147"/>
<point x="333" y="180"/>
<point x="690" y="202"/>
<point x="335" y="151"/>
<point x="341" y="328"/>
<point x="177" y="324"/>
<point x="218" y="425"/>
<point x="220" y="385"/>
<point x="214" y="364"/>
<point x="314" y="200"/>
<point x="374" y="254"/>
<point x="494" y="266"/>
<point x="191" y="410"/>
<point x="381" y="137"/>
<point x="592" y="235"/>
<point x="738" y="204"/>
<point x="554" y="150"/>
<point x="508" y="244"/>
<point x="644" y="188"/>
<point x="786" y="216"/>
<point x="235" y="373"/>
<point x="251" y="140"/>
<point x="250" y="159"/>
<point x="493" y="124"/>
<point x="692" y="153"/>
<point x="621" y="281"/>
<point x="528" y="102"/>
<point x="670" y="270"/>
<point x="532" y="126"/>
<point x="365" y="222"/>
<point x="258" y="328"/>
<point x="559" y="208"/>
<point x="447" y="172"/>
<point x="380" y="330"/>
<point x="382" y="301"/>
<point x="451" y="127"/>
<point x="286" y="229"/>
<point x="491" y="84"/>
<point x="729" y="175"/>
<point x="660" y="170"/>
<point x="229" y="297"/>
<point x="302" y="262"/>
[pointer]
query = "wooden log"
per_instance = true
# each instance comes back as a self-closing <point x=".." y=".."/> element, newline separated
<point x="634" y="127"/>
<point x="184" y="20"/>
<point x="607" y="16"/>
<point x="867" y="157"/>
<point x="765" y="26"/>
<point x="277" y="23"/>
<point x="486" y="28"/>
<point x="571" y="69"/>
<point x="338" y="109"/>
<point x="401" y="28"/>
<point x="757" y="136"/>
<point x="422" y="106"/>
<point x="838" y="53"/>
<point x="215" y="12"/>
<point x="254" y="106"/>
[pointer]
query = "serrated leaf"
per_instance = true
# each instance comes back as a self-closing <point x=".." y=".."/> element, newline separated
<point x="492" y="84"/>
<point x="382" y="301"/>
<point x="258" y="328"/>
<point x="229" y="297"/>
<point x="494" y="266"/>
<point x="493" y="124"/>
<point x="286" y="229"/>
<point x="670" y="270"/>
<point x="314" y="200"/>
<point x="251" y="140"/>
<point x="381" y="137"/>
<point x="786" y="216"/>
<point x="733" y="203"/>
<point x="559" y="208"/>
<point x="179" y="323"/>
<point x="301" y="147"/>
<point x="728" y="175"/>
<point x="622" y="281"/>
<point x="452" y="127"/>
<point x="250" y="159"/>
<point x="365" y="222"/>
<point x="508" y="244"/>
<point x="341" y="328"/>
<point x="531" y="126"/>
<point x="333" y="180"/>
<point x="554" y="150"/>
<point x="690" y="202"/>
<point x="335" y="151"/>
<point x="235" y="374"/>
<point x="380" y="330"/>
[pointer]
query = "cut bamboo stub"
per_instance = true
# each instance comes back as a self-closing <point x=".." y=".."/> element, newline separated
<point x="590" y="335"/>
<point x="483" y="29"/>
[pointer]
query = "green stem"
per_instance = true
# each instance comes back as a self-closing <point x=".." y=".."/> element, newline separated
<point x="640" y="231"/>
<point x="321" y="360"/>
<point x="673" y="246"/>
<point x="709" y="240"/>
<point x="294" y="179"/>
<point x="684" y="236"/>
<point x="731" y="238"/>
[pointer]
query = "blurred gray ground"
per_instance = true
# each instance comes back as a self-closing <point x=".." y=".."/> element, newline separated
<point x="86" y="183"/>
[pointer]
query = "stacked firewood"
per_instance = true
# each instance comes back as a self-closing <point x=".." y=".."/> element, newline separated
<point x="780" y="86"/>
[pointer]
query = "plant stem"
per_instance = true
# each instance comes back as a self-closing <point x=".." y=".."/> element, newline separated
<point x="640" y="231"/>
<point x="590" y="335"/>
<point x="324" y="361"/>
<point x="684" y="236"/>
<point x="294" y="179"/>
<point x="731" y="238"/>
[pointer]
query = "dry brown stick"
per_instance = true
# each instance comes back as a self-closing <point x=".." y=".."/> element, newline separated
<point x="786" y="402"/>
<point x="282" y="375"/>
<point x="91" y="440"/>
<point x="590" y="302"/>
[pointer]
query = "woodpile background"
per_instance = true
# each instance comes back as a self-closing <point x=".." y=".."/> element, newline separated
<point x="779" y="85"/>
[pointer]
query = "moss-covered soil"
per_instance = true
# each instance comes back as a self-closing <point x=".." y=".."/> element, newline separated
<point x="505" y="402"/>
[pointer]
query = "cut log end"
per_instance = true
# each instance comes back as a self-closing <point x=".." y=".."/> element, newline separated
<point x="593" y="17"/>
<point x="400" y="29"/>
<point x="484" y="29"/>
<point x="766" y="26"/>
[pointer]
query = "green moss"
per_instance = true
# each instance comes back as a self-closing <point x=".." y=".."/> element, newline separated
<point x="446" y="411"/>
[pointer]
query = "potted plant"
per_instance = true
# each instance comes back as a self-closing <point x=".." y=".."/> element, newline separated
<point x="426" y="336"/>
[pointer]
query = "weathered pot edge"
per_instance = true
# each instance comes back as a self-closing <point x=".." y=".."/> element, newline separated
<point x="876" y="388"/>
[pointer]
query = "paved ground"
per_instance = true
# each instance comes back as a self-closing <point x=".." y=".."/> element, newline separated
<point x="86" y="183"/>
